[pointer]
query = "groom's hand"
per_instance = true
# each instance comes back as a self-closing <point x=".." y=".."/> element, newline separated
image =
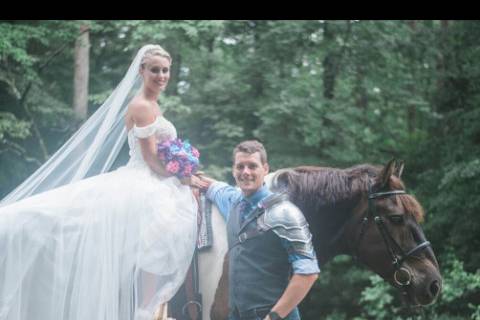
<point x="197" y="182"/>
<point x="206" y="181"/>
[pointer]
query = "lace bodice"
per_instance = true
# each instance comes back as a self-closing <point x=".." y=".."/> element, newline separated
<point x="161" y="128"/>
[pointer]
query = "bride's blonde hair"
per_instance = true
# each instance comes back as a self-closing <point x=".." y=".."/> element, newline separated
<point x="155" y="50"/>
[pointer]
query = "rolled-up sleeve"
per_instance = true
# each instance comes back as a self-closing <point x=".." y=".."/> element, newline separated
<point x="305" y="266"/>
<point x="301" y="264"/>
<point x="224" y="196"/>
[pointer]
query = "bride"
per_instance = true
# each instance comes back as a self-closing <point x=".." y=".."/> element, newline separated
<point x="78" y="242"/>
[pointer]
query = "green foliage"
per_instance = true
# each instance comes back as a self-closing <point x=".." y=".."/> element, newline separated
<point x="337" y="292"/>
<point x="460" y="294"/>
<point x="30" y="94"/>
<point x="12" y="127"/>
<point x="330" y="93"/>
<point x="377" y="298"/>
<point x="459" y="284"/>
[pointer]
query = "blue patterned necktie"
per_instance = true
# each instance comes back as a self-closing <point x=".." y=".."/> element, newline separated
<point x="244" y="209"/>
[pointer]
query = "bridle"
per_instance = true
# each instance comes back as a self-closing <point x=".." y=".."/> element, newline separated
<point x="402" y="276"/>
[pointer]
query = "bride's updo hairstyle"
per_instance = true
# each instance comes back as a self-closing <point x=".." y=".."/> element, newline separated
<point x="154" y="50"/>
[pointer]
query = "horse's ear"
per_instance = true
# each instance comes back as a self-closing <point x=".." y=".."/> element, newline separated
<point x="399" y="169"/>
<point x="386" y="173"/>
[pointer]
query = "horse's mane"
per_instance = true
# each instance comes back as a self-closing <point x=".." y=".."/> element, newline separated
<point x="317" y="188"/>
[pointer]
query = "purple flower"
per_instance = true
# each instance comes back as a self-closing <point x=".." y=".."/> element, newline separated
<point x="180" y="158"/>
<point x="187" y="170"/>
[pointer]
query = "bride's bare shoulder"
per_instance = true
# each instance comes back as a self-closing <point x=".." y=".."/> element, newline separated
<point x="140" y="111"/>
<point x="139" y="105"/>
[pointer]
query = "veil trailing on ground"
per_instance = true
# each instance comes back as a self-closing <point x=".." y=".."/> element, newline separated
<point x="93" y="148"/>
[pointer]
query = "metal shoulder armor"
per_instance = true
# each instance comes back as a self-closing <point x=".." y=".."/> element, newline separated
<point x="287" y="221"/>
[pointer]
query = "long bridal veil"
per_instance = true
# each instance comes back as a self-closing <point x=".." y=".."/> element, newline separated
<point x="78" y="245"/>
<point x="93" y="148"/>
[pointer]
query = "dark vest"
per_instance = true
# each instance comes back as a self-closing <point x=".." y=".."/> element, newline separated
<point x="259" y="270"/>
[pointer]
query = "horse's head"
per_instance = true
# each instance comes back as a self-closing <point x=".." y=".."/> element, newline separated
<point x="385" y="235"/>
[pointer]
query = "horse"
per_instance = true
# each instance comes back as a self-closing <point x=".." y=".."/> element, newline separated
<point x="362" y="211"/>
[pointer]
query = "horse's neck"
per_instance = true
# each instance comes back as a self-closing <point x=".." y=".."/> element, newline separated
<point x="327" y="214"/>
<point x="328" y="223"/>
<point x="330" y="235"/>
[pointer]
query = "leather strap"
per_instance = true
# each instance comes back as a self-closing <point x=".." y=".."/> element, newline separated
<point x="192" y="309"/>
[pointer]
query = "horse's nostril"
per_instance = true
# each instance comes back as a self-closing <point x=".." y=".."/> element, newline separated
<point x="434" y="288"/>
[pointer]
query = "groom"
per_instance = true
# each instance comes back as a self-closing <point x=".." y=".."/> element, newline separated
<point x="272" y="264"/>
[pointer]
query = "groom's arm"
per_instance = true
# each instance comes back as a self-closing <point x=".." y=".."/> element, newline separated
<point x="305" y="273"/>
<point x="296" y="290"/>
<point x="222" y="194"/>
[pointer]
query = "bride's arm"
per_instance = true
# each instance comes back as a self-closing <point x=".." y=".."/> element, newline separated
<point x="143" y="116"/>
<point x="149" y="153"/>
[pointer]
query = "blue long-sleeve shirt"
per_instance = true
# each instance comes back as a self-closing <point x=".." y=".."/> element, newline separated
<point x="226" y="197"/>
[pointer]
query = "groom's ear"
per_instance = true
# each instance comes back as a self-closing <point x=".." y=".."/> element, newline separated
<point x="266" y="167"/>
<point x="233" y="170"/>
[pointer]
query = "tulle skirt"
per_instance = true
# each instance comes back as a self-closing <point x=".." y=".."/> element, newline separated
<point x="113" y="246"/>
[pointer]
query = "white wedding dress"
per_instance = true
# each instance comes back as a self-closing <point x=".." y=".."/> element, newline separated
<point x="112" y="246"/>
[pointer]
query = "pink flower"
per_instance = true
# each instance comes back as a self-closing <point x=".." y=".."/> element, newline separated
<point x="195" y="153"/>
<point x="173" y="166"/>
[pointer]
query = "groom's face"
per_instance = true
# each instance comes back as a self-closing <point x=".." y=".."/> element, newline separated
<point x="249" y="171"/>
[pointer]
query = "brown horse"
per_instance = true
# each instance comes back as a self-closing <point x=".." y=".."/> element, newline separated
<point x="362" y="211"/>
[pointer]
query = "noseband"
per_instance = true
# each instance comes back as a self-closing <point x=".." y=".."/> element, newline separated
<point x="402" y="276"/>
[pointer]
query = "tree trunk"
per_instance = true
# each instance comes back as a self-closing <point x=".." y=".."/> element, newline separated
<point x="328" y="65"/>
<point x="412" y="107"/>
<point x="361" y="94"/>
<point x="333" y="58"/>
<point x="441" y="66"/>
<point x="80" y="81"/>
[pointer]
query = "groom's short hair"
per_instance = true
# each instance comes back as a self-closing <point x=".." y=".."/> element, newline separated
<point x="250" y="147"/>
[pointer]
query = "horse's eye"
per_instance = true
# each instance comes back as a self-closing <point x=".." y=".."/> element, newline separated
<point x="396" y="218"/>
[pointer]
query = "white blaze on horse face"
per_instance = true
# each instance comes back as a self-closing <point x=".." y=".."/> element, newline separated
<point x="249" y="172"/>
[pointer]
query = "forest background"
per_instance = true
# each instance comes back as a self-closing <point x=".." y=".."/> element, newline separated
<point x="329" y="93"/>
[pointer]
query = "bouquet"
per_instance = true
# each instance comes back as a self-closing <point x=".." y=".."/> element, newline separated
<point x="179" y="157"/>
